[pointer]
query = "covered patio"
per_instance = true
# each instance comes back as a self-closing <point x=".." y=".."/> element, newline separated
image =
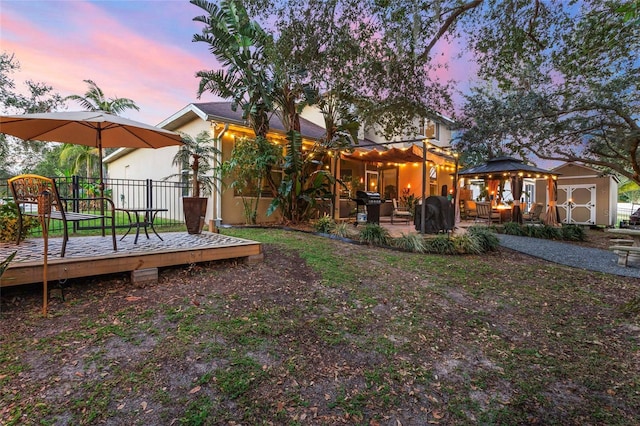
<point x="428" y="170"/>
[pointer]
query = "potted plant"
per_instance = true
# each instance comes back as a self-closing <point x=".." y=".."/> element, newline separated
<point x="196" y="158"/>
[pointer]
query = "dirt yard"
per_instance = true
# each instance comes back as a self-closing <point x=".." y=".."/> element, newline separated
<point x="324" y="332"/>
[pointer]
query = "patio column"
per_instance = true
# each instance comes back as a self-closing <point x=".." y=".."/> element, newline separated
<point x="423" y="207"/>
<point x="217" y="193"/>
<point x="516" y="191"/>
<point x="551" y="218"/>
<point x="335" y="164"/>
<point x="456" y="192"/>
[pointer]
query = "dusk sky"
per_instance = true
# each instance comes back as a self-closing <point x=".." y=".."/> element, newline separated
<point x="135" y="49"/>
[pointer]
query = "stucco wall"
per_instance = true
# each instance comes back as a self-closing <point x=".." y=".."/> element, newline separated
<point x="144" y="163"/>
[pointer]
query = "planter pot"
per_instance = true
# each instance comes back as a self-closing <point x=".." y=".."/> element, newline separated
<point x="195" y="209"/>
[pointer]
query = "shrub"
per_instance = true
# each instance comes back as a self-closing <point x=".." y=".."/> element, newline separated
<point x="440" y="244"/>
<point x="513" y="228"/>
<point x="485" y="237"/>
<point x="411" y="242"/>
<point x="9" y="223"/>
<point x="325" y="224"/>
<point x="343" y="230"/>
<point x="467" y="244"/>
<point x="573" y="233"/>
<point x="375" y="235"/>
<point x="544" y="231"/>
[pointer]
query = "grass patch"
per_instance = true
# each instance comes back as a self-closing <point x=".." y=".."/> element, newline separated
<point x="242" y="374"/>
<point x="329" y="333"/>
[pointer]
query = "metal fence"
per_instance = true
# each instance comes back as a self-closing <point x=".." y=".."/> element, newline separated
<point x="125" y="193"/>
<point x="625" y="210"/>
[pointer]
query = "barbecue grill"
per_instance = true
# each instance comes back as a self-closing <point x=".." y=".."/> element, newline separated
<point x="371" y="202"/>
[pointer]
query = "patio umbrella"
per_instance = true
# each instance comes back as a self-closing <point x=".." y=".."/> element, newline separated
<point x="90" y="128"/>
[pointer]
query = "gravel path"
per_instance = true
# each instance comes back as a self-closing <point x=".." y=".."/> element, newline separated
<point x="591" y="259"/>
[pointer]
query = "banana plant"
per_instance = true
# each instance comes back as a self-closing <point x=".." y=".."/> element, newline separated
<point x="304" y="183"/>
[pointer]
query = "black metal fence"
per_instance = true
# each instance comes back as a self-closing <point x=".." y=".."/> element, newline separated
<point x="625" y="210"/>
<point x="125" y="193"/>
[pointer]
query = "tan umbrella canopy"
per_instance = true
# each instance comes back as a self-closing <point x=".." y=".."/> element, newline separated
<point x="90" y="128"/>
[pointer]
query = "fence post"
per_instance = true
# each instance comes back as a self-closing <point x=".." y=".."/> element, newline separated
<point x="149" y="193"/>
<point x="75" y="194"/>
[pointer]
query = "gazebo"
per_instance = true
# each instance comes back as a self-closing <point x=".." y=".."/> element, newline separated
<point x="514" y="170"/>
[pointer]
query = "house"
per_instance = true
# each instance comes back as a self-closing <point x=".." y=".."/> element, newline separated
<point x="586" y="196"/>
<point x="370" y="167"/>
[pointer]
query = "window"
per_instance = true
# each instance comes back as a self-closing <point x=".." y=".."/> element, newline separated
<point x="251" y="190"/>
<point x="430" y="129"/>
<point x="389" y="183"/>
<point x="433" y="180"/>
<point x="371" y="181"/>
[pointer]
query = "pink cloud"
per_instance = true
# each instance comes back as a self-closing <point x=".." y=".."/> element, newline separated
<point x="93" y="45"/>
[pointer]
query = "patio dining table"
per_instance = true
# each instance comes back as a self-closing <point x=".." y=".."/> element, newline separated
<point x="141" y="217"/>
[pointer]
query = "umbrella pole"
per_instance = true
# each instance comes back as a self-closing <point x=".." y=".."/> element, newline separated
<point x="101" y="184"/>
<point x="45" y="237"/>
<point x="423" y="207"/>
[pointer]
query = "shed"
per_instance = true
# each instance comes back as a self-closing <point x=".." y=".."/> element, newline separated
<point x="586" y="196"/>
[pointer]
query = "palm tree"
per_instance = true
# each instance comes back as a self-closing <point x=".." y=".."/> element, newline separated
<point x="239" y="44"/>
<point x="78" y="158"/>
<point x="198" y="155"/>
<point x="93" y="100"/>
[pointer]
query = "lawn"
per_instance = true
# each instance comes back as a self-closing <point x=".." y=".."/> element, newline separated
<point x="324" y="332"/>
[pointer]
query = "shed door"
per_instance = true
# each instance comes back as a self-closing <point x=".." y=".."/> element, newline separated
<point x="577" y="204"/>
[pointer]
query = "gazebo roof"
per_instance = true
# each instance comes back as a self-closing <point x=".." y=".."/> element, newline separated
<point x="505" y="165"/>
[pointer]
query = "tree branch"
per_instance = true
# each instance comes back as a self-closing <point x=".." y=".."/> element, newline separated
<point x="445" y="26"/>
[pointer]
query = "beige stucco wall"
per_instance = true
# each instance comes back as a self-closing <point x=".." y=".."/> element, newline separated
<point x="144" y="163"/>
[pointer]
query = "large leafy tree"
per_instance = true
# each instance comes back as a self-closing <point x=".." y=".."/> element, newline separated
<point x="239" y="45"/>
<point x="376" y="53"/>
<point x="38" y="97"/>
<point x="245" y="76"/>
<point x="260" y="82"/>
<point x="565" y="85"/>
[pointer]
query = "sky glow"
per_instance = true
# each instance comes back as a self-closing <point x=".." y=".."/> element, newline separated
<point x="134" y="49"/>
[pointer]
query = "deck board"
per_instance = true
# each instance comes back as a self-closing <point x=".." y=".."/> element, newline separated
<point x="90" y="256"/>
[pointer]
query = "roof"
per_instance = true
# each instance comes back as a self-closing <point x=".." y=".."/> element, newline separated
<point x="221" y="111"/>
<point x="570" y="170"/>
<point x="503" y="165"/>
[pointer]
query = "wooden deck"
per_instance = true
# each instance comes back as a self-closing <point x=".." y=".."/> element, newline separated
<point x="90" y="256"/>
